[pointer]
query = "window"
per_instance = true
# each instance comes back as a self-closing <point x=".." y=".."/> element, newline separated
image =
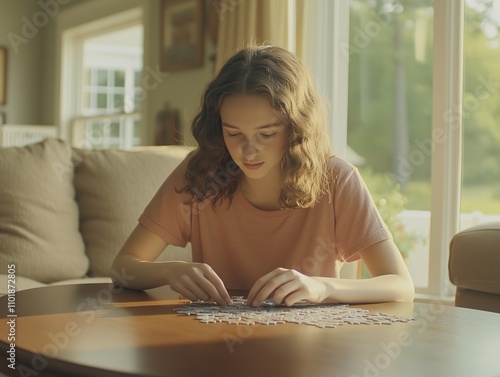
<point x="421" y="112"/>
<point x="390" y="117"/>
<point x="103" y="81"/>
<point x="112" y="72"/>
<point x="104" y="91"/>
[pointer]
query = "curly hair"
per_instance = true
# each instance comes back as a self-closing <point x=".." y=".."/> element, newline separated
<point x="279" y="75"/>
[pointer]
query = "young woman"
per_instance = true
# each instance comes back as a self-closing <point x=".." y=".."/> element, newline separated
<point x="265" y="205"/>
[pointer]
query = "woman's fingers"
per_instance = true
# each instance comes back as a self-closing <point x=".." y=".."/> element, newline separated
<point x="282" y="294"/>
<point x="199" y="281"/>
<point x="286" y="287"/>
<point x="266" y="285"/>
<point x="213" y="285"/>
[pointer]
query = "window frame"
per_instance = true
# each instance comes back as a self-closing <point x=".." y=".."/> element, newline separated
<point x="446" y="182"/>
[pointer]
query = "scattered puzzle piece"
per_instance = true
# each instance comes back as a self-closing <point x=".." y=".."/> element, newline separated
<point x="322" y="316"/>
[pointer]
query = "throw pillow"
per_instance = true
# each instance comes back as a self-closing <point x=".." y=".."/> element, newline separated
<point x="112" y="189"/>
<point x="38" y="214"/>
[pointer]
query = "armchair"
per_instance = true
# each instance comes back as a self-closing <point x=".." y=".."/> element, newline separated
<point x="474" y="267"/>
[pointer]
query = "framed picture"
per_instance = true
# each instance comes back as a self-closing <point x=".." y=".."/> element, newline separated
<point x="182" y="37"/>
<point x="3" y="75"/>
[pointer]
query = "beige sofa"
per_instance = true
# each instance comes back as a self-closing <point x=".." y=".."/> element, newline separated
<point x="474" y="267"/>
<point x="65" y="212"/>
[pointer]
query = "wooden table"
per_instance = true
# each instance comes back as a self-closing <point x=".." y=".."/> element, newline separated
<point x="94" y="330"/>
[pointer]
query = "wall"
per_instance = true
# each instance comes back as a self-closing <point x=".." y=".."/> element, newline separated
<point x="24" y="73"/>
<point x="25" y="29"/>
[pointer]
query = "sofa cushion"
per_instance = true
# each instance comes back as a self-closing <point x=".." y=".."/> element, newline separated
<point x="112" y="189"/>
<point x="85" y="280"/>
<point x="22" y="283"/>
<point x="38" y="214"/>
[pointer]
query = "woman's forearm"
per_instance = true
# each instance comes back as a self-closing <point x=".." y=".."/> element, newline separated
<point x="195" y="281"/>
<point x="138" y="274"/>
<point x="384" y="288"/>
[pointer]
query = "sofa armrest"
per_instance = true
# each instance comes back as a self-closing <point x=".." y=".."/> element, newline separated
<point x="475" y="258"/>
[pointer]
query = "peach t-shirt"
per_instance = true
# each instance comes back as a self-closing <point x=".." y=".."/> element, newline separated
<point x="242" y="243"/>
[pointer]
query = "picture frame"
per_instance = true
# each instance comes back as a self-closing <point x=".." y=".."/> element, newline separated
<point x="3" y="75"/>
<point x="182" y="34"/>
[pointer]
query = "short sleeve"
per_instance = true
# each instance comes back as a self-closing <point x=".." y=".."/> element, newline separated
<point x="358" y="223"/>
<point x="167" y="215"/>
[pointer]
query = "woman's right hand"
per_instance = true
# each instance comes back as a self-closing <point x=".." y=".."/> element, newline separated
<point x="197" y="281"/>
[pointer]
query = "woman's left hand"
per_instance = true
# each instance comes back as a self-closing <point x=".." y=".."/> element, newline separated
<point x="287" y="287"/>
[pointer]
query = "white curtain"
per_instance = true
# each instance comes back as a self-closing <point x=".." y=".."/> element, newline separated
<point x="257" y="21"/>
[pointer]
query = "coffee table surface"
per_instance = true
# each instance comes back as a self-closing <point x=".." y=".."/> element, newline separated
<point x="94" y="330"/>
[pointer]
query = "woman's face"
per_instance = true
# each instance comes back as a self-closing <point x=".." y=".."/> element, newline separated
<point x="254" y="133"/>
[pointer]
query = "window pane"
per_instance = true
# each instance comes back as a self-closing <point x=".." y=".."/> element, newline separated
<point x="102" y="77"/>
<point x="118" y="101"/>
<point x="102" y="101"/>
<point x="481" y="114"/>
<point x="119" y="79"/>
<point x="390" y="117"/>
<point x="96" y="130"/>
<point x="114" y="129"/>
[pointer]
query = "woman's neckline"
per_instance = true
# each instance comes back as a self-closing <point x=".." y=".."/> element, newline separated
<point x="241" y="199"/>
